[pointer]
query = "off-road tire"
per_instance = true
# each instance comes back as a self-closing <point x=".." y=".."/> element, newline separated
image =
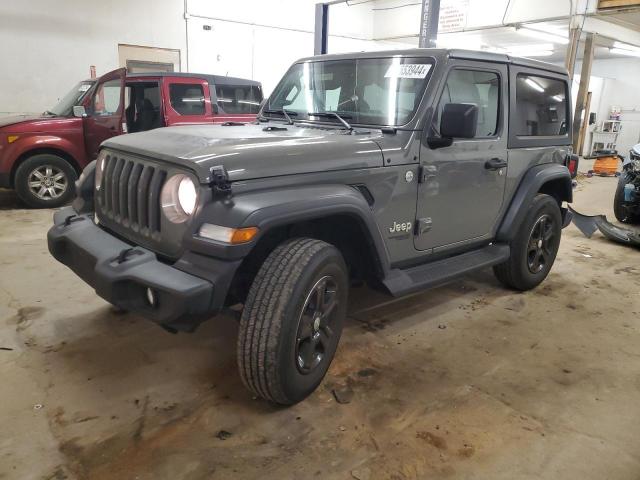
<point x="29" y="165"/>
<point x="267" y="340"/>
<point x="515" y="272"/>
<point x="621" y="213"/>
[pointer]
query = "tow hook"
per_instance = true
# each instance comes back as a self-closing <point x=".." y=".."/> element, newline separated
<point x="72" y="218"/>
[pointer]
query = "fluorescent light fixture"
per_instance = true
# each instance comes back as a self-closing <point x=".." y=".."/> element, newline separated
<point x="536" y="47"/>
<point x="625" y="46"/>
<point x="549" y="37"/>
<point x="558" y="98"/>
<point x="622" y="51"/>
<point x="533" y="84"/>
<point x="532" y="53"/>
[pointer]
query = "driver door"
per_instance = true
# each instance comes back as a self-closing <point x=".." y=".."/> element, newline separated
<point x="462" y="186"/>
<point x="105" y="111"/>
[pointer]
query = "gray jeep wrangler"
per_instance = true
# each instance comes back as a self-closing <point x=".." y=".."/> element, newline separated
<point x="402" y="169"/>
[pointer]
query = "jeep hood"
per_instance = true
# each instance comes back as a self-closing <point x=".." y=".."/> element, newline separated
<point x="255" y="151"/>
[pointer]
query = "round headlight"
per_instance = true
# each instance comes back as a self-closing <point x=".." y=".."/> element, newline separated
<point x="101" y="161"/>
<point x="179" y="198"/>
<point x="187" y="195"/>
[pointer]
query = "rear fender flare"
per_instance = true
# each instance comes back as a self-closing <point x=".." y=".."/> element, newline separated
<point x="532" y="183"/>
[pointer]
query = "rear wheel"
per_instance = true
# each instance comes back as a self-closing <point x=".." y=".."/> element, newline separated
<point x="292" y="320"/>
<point x="535" y="246"/>
<point x="619" y="210"/>
<point x="45" y="181"/>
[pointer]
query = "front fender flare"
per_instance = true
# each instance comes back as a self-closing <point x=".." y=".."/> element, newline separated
<point x="531" y="184"/>
<point x="268" y="209"/>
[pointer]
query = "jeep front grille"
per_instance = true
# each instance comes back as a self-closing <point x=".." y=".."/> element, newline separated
<point x="129" y="193"/>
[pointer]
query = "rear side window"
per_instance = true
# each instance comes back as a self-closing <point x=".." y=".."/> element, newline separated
<point x="541" y="106"/>
<point x="187" y="98"/>
<point x="239" y="98"/>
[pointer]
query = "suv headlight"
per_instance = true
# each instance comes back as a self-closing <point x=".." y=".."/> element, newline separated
<point x="179" y="198"/>
<point x="101" y="161"/>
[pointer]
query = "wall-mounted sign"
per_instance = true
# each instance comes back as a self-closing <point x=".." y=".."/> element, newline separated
<point x="453" y="15"/>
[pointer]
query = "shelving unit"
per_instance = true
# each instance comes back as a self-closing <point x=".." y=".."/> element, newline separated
<point x="606" y="136"/>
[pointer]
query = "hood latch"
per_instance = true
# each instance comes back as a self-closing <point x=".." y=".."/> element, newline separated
<point x="220" y="180"/>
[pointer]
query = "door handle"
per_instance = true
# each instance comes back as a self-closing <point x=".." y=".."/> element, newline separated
<point x="495" y="164"/>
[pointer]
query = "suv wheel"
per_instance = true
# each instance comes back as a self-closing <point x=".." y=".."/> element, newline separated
<point x="292" y="320"/>
<point x="45" y="181"/>
<point x="619" y="209"/>
<point x="535" y="246"/>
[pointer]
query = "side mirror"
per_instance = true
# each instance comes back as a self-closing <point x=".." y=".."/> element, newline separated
<point x="79" y="111"/>
<point x="459" y="120"/>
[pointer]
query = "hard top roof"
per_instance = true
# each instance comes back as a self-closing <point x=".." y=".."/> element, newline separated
<point x="442" y="53"/>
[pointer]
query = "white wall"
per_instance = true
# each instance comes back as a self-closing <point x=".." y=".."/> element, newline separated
<point x="46" y="47"/>
<point x="617" y="86"/>
<point x="260" y="40"/>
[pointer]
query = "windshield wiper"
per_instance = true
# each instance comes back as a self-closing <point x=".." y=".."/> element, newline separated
<point x="50" y="113"/>
<point x="341" y="118"/>
<point x="285" y="113"/>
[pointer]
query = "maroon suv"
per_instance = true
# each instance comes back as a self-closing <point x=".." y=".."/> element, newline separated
<point x="41" y="156"/>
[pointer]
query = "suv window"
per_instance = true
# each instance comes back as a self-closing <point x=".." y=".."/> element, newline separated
<point x="187" y="98"/>
<point x="478" y="88"/>
<point x="541" y="105"/>
<point x="239" y="98"/>
<point x="106" y="101"/>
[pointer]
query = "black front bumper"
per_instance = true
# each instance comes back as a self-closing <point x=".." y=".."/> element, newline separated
<point x="182" y="300"/>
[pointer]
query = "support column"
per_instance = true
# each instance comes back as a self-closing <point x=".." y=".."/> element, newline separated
<point x="321" y="32"/>
<point x="572" y="50"/>
<point x="429" y="23"/>
<point x="583" y="91"/>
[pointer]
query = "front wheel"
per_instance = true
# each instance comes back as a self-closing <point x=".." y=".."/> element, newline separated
<point x="45" y="181"/>
<point x="292" y="320"/>
<point x="535" y="246"/>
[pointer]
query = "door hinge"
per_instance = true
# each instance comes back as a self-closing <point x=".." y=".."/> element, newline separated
<point x="426" y="172"/>
<point x="423" y="225"/>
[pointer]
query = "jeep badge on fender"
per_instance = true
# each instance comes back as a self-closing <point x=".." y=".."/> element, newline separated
<point x="280" y="216"/>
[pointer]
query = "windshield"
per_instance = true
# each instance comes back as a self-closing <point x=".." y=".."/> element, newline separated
<point x="372" y="91"/>
<point x="66" y="104"/>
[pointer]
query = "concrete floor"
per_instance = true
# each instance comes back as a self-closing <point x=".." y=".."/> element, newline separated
<point x="465" y="381"/>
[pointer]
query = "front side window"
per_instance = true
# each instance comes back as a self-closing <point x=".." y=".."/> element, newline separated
<point x="373" y="91"/>
<point x="106" y="100"/>
<point x="541" y="106"/>
<point x="478" y="88"/>
<point x="187" y="98"/>
<point x="239" y="98"/>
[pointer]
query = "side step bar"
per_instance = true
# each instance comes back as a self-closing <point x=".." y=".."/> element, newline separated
<point x="404" y="281"/>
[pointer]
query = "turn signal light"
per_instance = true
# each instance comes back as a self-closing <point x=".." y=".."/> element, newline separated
<point x="12" y="138"/>
<point x="243" y="235"/>
<point x="232" y="236"/>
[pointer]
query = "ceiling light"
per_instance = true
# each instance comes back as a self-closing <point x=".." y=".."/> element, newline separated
<point x="625" y="46"/>
<point x="558" y="98"/>
<point x="538" y="47"/>
<point x="622" y="51"/>
<point x="533" y="53"/>
<point x="533" y="84"/>
<point x="549" y="37"/>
